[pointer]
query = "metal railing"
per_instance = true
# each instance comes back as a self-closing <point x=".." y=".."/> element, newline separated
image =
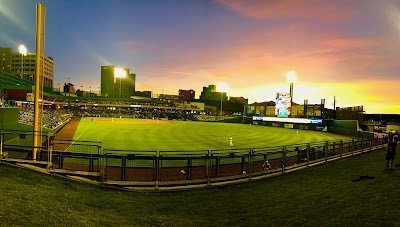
<point x="166" y="169"/>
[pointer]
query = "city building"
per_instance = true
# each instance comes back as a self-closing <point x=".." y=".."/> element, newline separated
<point x="69" y="88"/>
<point x="107" y="81"/>
<point x="5" y="59"/>
<point x="117" y="86"/>
<point x="146" y="94"/>
<point x="187" y="95"/>
<point x="210" y="93"/>
<point x="241" y="100"/>
<point x="24" y="67"/>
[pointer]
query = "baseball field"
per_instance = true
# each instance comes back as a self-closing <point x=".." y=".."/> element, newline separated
<point x="170" y="135"/>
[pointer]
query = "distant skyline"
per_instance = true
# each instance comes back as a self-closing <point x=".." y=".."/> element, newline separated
<point x="344" y="48"/>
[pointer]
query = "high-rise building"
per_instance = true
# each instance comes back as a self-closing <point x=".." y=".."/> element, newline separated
<point x="24" y="67"/>
<point x="130" y="81"/>
<point x="107" y="81"/>
<point x="115" y="86"/>
<point x="122" y="85"/>
<point x="5" y="59"/>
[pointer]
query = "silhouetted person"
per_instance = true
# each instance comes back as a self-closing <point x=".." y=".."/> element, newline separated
<point x="391" y="151"/>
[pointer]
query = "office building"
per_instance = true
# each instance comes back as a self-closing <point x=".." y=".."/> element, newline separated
<point x="24" y="67"/>
<point x="5" y="59"/>
<point x="107" y="81"/>
<point x="117" y="86"/>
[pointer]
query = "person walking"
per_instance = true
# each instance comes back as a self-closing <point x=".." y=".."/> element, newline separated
<point x="391" y="151"/>
<point x="231" y="141"/>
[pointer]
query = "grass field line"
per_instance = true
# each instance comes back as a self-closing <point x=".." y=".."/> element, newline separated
<point x="79" y="136"/>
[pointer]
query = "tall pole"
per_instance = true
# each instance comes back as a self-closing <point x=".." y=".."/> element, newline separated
<point x="22" y="66"/>
<point x="120" y="86"/>
<point x="40" y="11"/>
<point x="291" y="98"/>
<point x="244" y="112"/>
<point x="221" y="104"/>
<point x="334" y="102"/>
<point x="291" y="90"/>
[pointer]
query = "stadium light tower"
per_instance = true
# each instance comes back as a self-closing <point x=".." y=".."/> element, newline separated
<point x="222" y="87"/>
<point x="291" y="78"/>
<point x="120" y="72"/>
<point x="23" y="51"/>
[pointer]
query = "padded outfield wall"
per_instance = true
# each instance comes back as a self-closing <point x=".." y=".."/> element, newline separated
<point x="343" y="127"/>
<point x="9" y="118"/>
<point x="293" y="123"/>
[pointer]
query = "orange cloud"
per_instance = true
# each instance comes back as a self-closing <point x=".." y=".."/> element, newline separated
<point x="353" y="42"/>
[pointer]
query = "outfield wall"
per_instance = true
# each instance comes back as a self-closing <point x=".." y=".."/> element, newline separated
<point x="9" y="118"/>
<point x="178" y="170"/>
<point x="342" y="127"/>
<point x="292" y="123"/>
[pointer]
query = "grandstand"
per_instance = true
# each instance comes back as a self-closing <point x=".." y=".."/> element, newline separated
<point x="9" y="81"/>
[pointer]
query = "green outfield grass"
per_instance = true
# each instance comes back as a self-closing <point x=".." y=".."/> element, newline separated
<point x="141" y="134"/>
<point x="318" y="196"/>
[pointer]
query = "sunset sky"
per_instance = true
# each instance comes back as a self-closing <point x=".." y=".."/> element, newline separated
<point x="344" y="48"/>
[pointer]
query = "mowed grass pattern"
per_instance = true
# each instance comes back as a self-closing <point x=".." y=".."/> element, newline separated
<point x="147" y="135"/>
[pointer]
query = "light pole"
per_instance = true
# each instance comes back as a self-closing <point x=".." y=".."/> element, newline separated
<point x="23" y="51"/>
<point x="291" y="78"/>
<point x="222" y="87"/>
<point x="120" y="72"/>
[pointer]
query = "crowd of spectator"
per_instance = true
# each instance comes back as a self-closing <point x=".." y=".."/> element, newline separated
<point x="133" y="112"/>
<point x="113" y="102"/>
<point x="51" y="118"/>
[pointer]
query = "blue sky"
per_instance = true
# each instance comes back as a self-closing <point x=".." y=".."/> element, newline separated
<point x="344" y="48"/>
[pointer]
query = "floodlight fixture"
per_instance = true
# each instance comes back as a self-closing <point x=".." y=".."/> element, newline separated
<point x="22" y="49"/>
<point x="291" y="76"/>
<point x="119" y="72"/>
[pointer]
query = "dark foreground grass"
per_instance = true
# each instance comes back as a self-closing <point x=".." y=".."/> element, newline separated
<point x="319" y="196"/>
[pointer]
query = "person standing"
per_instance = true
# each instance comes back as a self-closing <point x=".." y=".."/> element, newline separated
<point x="266" y="165"/>
<point x="391" y="151"/>
<point x="231" y="141"/>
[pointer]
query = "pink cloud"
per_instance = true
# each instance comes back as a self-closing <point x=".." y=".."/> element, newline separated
<point x="352" y="42"/>
<point x="307" y="9"/>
